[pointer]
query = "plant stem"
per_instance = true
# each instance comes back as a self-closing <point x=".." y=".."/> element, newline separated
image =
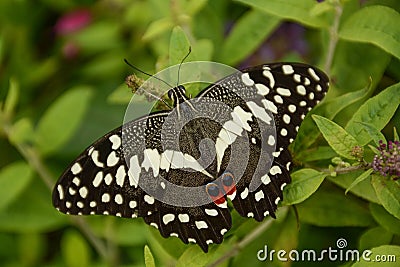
<point x="334" y="37"/>
<point x="34" y="160"/>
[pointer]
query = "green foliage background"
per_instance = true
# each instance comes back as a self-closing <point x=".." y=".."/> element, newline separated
<point x="60" y="91"/>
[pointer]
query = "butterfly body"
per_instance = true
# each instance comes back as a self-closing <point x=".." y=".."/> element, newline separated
<point x="178" y="168"/>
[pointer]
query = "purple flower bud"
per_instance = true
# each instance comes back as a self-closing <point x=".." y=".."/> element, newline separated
<point x="387" y="162"/>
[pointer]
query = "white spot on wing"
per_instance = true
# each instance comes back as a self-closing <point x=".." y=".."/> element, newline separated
<point x="116" y="141"/>
<point x="132" y="204"/>
<point x="120" y="175"/>
<point x="112" y="159"/>
<point x="105" y="197"/>
<point x="134" y="171"/>
<point x="259" y="195"/>
<point x="271" y="140"/>
<point x="240" y="117"/>
<point x="270" y="106"/>
<point x="184" y="218"/>
<point x="262" y="89"/>
<point x="151" y="160"/>
<point x="265" y="179"/>
<point x="259" y="112"/>
<point x="60" y="192"/>
<point x="244" y="193"/>
<point x="278" y="99"/>
<point x="76" y="181"/>
<point x="275" y="170"/>
<point x="149" y="199"/>
<point x="313" y="74"/>
<point x="118" y="199"/>
<point x="83" y="192"/>
<point x="286" y="118"/>
<point x="211" y="212"/>
<point x="301" y="90"/>
<point x="108" y="179"/>
<point x="247" y="80"/>
<point x="292" y="108"/>
<point x="201" y="225"/>
<point x="287" y="69"/>
<point x="167" y="218"/>
<point x="97" y="179"/>
<point x="76" y="168"/>
<point x="166" y="159"/>
<point x="283" y="91"/>
<point x="269" y="76"/>
<point x="95" y="158"/>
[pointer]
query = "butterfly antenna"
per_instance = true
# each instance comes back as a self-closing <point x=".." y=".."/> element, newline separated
<point x="149" y="93"/>
<point x="179" y="68"/>
<point x="145" y="73"/>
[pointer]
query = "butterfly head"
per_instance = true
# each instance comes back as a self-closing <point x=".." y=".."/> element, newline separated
<point x="178" y="95"/>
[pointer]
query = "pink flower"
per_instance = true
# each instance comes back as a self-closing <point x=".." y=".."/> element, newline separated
<point x="73" y="21"/>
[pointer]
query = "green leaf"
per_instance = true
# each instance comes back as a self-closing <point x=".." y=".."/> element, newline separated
<point x="193" y="256"/>
<point x="314" y="154"/>
<point x="376" y="111"/>
<point x="385" y="219"/>
<point x="359" y="179"/>
<point x="13" y="180"/>
<point x="382" y="256"/>
<point x="333" y="208"/>
<point x="374" y="237"/>
<point x="12" y="98"/>
<point x="193" y="7"/>
<point x="388" y="192"/>
<point x="148" y="257"/>
<point x="308" y="132"/>
<point x="349" y="56"/>
<point x="74" y="249"/>
<point x="100" y="36"/>
<point x="157" y="28"/>
<point x="297" y="10"/>
<point x="374" y="24"/>
<point x="340" y="141"/>
<point x="363" y="189"/>
<point x="246" y="32"/>
<point x="395" y="134"/>
<point x="202" y="50"/>
<point x="61" y="119"/>
<point x="179" y="46"/>
<point x="374" y="133"/>
<point x="22" y="131"/>
<point x="304" y="183"/>
<point x="121" y="95"/>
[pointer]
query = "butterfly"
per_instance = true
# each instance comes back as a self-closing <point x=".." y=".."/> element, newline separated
<point x="177" y="168"/>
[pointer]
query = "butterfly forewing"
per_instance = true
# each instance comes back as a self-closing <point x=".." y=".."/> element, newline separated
<point x="106" y="178"/>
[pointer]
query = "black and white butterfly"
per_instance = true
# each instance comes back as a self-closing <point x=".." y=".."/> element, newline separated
<point x="106" y="178"/>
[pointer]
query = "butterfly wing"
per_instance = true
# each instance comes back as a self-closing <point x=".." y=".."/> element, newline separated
<point x="290" y="90"/>
<point x="105" y="180"/>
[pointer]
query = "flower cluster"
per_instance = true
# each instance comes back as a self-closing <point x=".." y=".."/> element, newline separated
<point x="387" y="162"/>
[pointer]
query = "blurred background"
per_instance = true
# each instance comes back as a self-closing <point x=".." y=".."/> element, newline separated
<point x="62" y="87"/>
